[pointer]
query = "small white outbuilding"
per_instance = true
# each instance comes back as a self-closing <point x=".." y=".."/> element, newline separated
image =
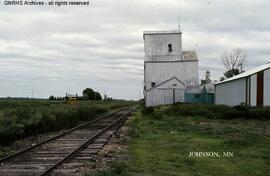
<point x="251" y="87"/>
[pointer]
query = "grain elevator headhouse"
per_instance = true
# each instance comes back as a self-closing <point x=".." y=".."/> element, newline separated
<point x="168" y="71"/>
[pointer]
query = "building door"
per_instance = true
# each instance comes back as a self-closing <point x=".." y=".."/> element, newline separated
<point x="260" y="78"/>
<point x="168" y="96"/>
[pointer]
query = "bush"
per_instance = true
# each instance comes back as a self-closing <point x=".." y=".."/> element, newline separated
<point x="242" y="107"/>
<point x="259" y="113"/>
<point x="10" y="129"/>
<point x="21" y="118"/>
<point x="148" y="110"/>
<point x="218" y="111"/>
<point x="190" y="110"/>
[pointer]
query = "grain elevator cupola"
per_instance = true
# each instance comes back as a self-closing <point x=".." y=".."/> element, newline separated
<point x="162" y="45"/>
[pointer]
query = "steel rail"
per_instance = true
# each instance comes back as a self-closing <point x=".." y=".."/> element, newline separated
<point x="84" y="145"/>
<point x="8" y="158"/>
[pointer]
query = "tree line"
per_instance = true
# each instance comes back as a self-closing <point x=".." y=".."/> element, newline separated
<point x="87" y="94"/>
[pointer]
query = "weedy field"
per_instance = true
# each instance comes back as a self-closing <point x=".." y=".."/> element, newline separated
<point x="162" y="138"/>
<point x="26" y="117"/>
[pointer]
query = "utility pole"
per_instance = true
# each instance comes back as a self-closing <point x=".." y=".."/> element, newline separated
<point x="173" y="95"/>
<point x="241" y="68"/>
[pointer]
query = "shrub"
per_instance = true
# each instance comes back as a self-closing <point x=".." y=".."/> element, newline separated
<point x="242" y="107"/>
<point x="31" y="124"/>
<point x="259" y="113"/>
<point x="10" y="129"/>
<point x="190" y="110"/>
<point x="218" y="111"/>
<point x="148" y="110"/>
<point x="21" y="118"/>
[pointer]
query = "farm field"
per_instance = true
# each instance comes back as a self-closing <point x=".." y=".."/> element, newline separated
<point x="29" y="118"/>
<point x="161" y="140"/>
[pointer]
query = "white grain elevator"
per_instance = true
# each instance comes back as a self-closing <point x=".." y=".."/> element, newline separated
<point x="168" y="71"/>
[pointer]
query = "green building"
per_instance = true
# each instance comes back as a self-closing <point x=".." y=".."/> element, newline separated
<point x="204" y="96"/>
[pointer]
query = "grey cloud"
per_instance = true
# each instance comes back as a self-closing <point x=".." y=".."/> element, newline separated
<point x="64" y="49"/>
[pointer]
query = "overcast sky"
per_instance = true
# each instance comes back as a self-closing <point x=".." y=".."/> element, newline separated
<point x="54" y="50"/>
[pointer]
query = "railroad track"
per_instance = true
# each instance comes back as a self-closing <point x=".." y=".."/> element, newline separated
<point x="66" y="152"/>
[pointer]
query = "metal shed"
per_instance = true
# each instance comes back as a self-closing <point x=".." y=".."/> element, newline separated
<point x="251" y="87"/>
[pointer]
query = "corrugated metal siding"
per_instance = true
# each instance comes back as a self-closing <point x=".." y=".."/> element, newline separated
<point x="163" y="58"/>
<point x="172" y="83"/>
<point x="266" y="100"/>
<point x="161" y="96"/>
<point x="231" y="93"/>
<point x="200" y="98"/>
<point x="157" y="45"/>
<point x="188" y="72"/>
<point x="180" y="96"/>
<point x="253" y="90"/>
<point x="248" y="91"/>
<point x="154" y="97"/>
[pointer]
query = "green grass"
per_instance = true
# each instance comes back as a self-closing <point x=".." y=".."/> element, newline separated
<point x="161" y="142"/>
<point x="25" y="117"/>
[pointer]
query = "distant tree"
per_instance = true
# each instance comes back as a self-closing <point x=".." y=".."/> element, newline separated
<point x="90" y="94"/>
<point x="109" y="99"/>
<point x="51" y="97"/>
<point x="97" y="96"/>
<point x="106" y="98"/>
<point x="231" y="73"/>
<point x="221" y="79"/>
<point x="233" y="61"/>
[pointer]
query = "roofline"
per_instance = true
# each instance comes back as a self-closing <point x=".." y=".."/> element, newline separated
<point x="166" y="82"/>
<point x="225" y="81"/>
<point x="162" y="32"/>
<point x="232" y="80"/>
<point x="169" y="32"/>
<point x="171" y="61"/>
